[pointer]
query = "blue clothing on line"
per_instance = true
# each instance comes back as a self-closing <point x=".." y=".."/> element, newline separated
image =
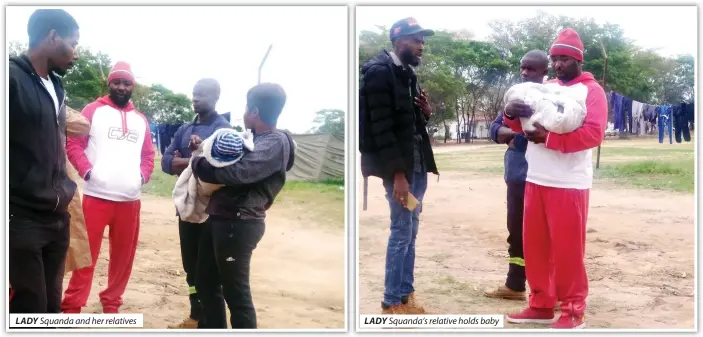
<point x="665" y="121"/>
<point x="616" y="103"/>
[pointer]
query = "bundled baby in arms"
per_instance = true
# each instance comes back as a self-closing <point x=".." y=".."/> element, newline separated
<point x="560" y="109"/>
<point x="225" y="147"/>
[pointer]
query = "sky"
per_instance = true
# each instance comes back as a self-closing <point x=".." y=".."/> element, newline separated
<point x="177" y="46"/>
<point x="671" y="29"/>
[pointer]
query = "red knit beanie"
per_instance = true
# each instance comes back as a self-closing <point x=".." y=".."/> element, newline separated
<point x="568" y="43"/>
<point x="121" y="70"/>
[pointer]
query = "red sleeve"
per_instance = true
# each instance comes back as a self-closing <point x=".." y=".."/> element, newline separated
<point x="147" y="165"/>
<point x="75" y="146"/>
<point x="514" y="124"/>
<point x="591" y="133"/>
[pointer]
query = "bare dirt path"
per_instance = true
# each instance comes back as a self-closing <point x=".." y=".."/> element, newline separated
<point x="297" y="272"/>
<point x="640" y="252"/>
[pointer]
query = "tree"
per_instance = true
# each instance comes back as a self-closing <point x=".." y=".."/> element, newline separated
<point x="87" y="81"/>
<point x="329" y="121"/>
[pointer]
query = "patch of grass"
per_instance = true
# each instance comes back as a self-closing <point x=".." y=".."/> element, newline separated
<point x="653" y="174"/>
<point x="323" y="199"/>
<point x="161" y="184"/>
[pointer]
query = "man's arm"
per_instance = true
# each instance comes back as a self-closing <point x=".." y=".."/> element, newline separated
<point x="380" y="102"/>
<point x="265" y="160"/>
<point x="169" y="164"/>
<point x="591" y="133"/>
<point x="499" y="133"/>
<point x="147" y="165"/>
<point x="75" y="146"/>
<point x="513" y="123"/>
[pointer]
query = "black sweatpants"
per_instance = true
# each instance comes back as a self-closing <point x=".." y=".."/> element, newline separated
<point x="37" y="257"/>
<point x="190" y="240"/>
<point x="516" y="268"/>
<point x="224" y="260"/>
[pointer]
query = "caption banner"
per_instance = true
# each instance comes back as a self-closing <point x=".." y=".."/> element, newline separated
<point x="106" y="321"/>
<point x="432" y="321"/>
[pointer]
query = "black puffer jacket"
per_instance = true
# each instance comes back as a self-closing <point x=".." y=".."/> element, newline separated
<point x="39" y="186"/>
<point x="387" y="115"/>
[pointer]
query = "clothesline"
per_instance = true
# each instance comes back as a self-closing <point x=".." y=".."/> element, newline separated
<point x="632" y="116"/>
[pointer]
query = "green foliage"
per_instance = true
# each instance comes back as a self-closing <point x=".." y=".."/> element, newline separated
<point x="329" y="121"/>
<point x="466" y="78"/>
<point x="87" y="81"/>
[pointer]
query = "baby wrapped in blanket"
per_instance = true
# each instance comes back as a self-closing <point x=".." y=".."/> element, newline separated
<point x="223" y="148"/>
<point x="560" y="109"/>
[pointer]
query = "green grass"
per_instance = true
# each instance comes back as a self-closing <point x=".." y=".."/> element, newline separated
<point x="641" y="163"/>
<point x="652" y="174"/>
<point x="318" y="200"/>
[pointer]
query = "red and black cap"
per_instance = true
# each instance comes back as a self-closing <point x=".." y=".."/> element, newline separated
<point x="407" y="27"/>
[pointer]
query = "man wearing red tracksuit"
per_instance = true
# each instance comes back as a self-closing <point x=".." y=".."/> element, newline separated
<point x="115" y="160"/>
<point x="559" y="178"/>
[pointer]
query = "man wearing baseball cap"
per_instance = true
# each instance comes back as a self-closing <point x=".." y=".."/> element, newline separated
<point x="395" y="147"/>
<point x="559" y="178"/>
<point x="115" y="159"/>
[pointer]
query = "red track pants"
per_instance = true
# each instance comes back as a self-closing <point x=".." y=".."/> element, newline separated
<point x="123" y="219"/>
<point x="554" y="239"/>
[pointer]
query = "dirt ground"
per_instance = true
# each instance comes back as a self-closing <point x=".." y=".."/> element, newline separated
<point x="297" y="274"/>
<point x="639" y="252"/>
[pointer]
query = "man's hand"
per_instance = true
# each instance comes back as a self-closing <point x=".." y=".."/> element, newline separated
<point x="424" y="103"/>
<point x="539" y="135"/>
<point x="401" y="188"/>
<point x="517" y="109"/>
<point x="194" y="142"/>
<point x="505" y="135"/>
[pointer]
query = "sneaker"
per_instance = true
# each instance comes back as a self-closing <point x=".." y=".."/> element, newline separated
<point x="397" y="309"/>
<point x="412" y="305"/>
<point x="187" y="323"/>
<point x="505" y="293"/>
<point x="569" y="321"/>
<point x="532" y="315"/>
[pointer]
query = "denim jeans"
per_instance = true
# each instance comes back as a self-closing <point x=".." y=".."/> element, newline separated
<point x="400" y="253"/>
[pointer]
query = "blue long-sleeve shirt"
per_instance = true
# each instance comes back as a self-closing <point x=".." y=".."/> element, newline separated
<point x="182" y="138"/>
<point x="514" y="160"/>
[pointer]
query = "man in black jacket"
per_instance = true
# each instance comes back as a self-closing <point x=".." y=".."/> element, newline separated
<point x="395" y="147"/>
<point x="40" y="190"/>
<point x="237" y="212"/>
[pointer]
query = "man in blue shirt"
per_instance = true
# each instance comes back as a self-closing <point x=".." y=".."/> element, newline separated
<point x="206" y="93"/>
<point x="533" y="68"/>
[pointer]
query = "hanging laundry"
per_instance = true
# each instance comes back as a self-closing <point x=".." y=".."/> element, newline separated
<point x="627" y="115"/>
<point x="665" y="122"/>
<point x="650" y="113"/>
<point x="637" y="118"/>
<point x="681" y="123"/>
<point x="166" y="133"/>
<point x="616" y="103"/>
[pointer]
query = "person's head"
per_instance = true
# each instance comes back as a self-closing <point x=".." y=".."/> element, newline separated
<point x="533" y="66"/>
<point x="53" y="33"/>
<point x="206" y="93"/>
<point x="264" y="104"/>
<point x="408" y="39"/>
<point x="120" y="83"/>
<point x="567" y="55"/>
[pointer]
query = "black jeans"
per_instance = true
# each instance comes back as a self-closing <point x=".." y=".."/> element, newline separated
<point x="224" y="260"/>
<point x="37" y="260"/>
<point x="190" y="240"/>
<point x="516" y="267"/>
